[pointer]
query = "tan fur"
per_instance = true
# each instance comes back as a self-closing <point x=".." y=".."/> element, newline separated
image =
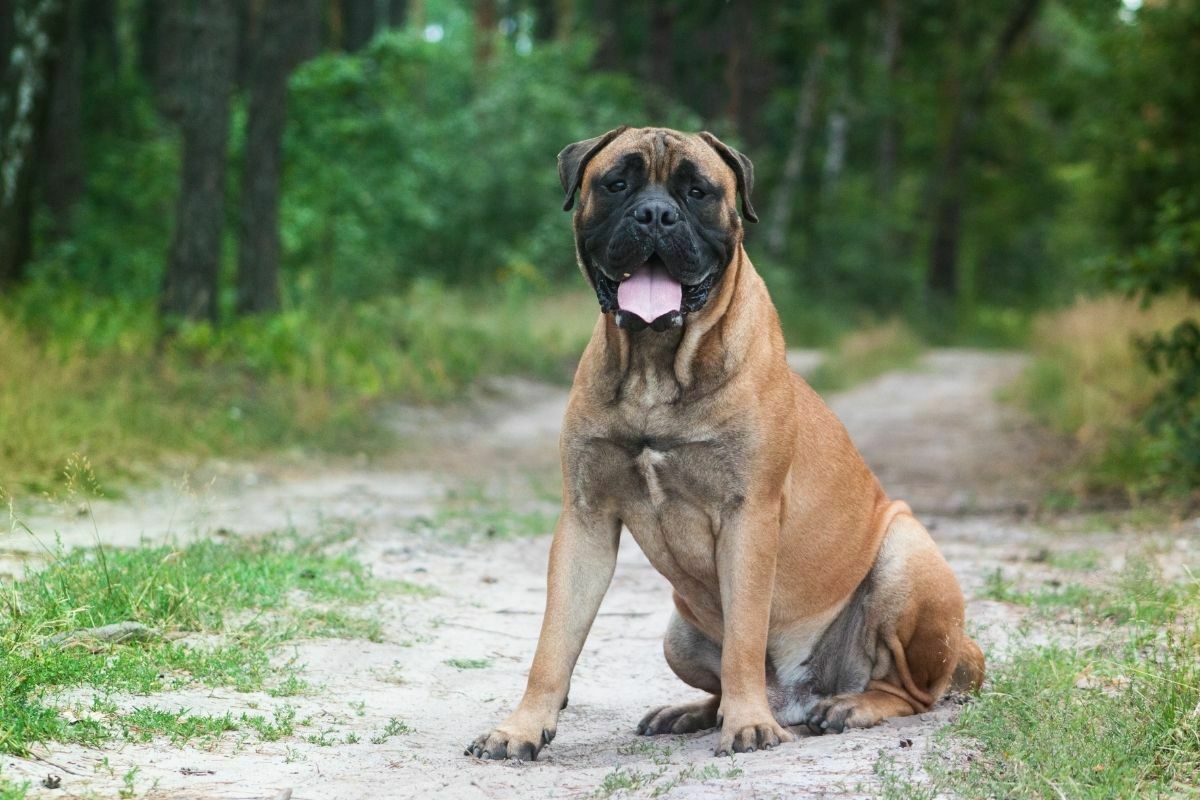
<point x="761" y="513"/>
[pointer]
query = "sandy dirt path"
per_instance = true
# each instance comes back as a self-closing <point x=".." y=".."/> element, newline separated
<point x="936" y="435"/>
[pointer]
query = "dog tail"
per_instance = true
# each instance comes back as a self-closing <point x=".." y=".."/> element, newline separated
<point x="968" y="674"/>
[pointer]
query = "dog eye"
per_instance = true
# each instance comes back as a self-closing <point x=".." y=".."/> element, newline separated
<point x="696" y="192"/>
<point x="616" y="186"/>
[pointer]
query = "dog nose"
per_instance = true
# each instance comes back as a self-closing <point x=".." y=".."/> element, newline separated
<point x="660" y="211"/>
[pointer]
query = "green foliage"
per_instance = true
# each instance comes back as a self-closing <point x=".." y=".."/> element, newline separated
<point x="1156" y="188"/>
<point x="437" y="170"/>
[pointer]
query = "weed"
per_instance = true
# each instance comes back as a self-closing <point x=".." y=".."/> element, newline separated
<point x="472" y="511"/>
<point x="394" y="727"/>
<point x="624" y="779"/>
<point x="128" y="789"/>
<point x="181" y="727"/>
<point x="324" y="738"/>
<point x="280" y="726"/>
<point x="469" y="663"/>
<point x="865" y="354"/>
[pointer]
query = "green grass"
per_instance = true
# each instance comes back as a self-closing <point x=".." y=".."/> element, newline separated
<point x="473" y="511"/>
<point x="394" y="727"/>
<point x="1118" y="718"/>
<point x="13" y="791"/>
<point x="469" y="663"/>
<point x="93" y="377"/>
<point x="660" y="781"/>
<point x="1138" y="596"/>
<point x="242" y="591"/>
<point x="865" y="354"/>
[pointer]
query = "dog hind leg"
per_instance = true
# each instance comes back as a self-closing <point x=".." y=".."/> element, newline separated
<point x="696" y="659"/>
<point x="916" y="615"/>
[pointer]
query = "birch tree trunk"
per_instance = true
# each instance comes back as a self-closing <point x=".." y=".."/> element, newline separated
<point x="793" y="167"/>
<point x="32" y="40"/>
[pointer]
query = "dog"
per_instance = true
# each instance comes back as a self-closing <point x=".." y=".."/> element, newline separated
<point x="804" y="595"/>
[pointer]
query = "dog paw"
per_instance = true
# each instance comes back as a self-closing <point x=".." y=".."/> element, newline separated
<point x="761" y="733"/>
<point x="499" y="744"/>
<point x="837" y="715"/>
<point x="683" y="718"/>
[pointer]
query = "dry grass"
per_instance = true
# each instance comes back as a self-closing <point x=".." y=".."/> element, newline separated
<point x="1088" y="381"/>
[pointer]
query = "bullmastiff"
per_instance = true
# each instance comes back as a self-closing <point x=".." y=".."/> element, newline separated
<point x="803" y="594"/>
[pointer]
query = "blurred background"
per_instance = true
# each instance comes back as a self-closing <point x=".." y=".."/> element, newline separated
<point x="230" y="227"/>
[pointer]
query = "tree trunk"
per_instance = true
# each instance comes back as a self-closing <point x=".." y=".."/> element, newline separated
<point x="487" y="18"/>
<point x="606" y="24"/>
<point x="101" y="42"/>
<point x="62" y="151"/>
<point x="190" y="283"/>
<point x="397" y="13"/>
<point x="161" y="53"/>
<point x="889" y="128"/>
<point x="942" y="278"/>
<point x="837" y="129"/>
<point x="545" y="19"/>
<point x="35" y="32"/>
<point x="737" y="38"/>
<point x="359" y="21"/>
<point x="793" y="167"/>
<point x="660" y="68"/>
<point x="286" y="33"/>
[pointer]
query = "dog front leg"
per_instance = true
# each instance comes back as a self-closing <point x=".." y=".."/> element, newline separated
<point x="746" y="552"/>
<point x="582" y="558"/>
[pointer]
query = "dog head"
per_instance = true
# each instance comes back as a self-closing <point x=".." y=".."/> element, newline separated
<point x="657" y="222"/>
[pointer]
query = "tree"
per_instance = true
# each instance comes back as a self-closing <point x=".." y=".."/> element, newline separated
<point x="61" y="155"/>
<point x="487" y="17"/>
<point x="285" y="33"/>
<point x="793" y="166"/>
<point x="889" y="129"/>
<point x="210" y="39"/>
<point x="968" y="108"/>
<point x="360" y="18"/>
<point x="32" y="39"/>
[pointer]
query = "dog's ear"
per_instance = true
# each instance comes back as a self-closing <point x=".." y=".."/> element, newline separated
<point x="574" y="158"/>
<point x="742" y="167"/>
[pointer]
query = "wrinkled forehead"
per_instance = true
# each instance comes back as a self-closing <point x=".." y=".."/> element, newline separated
<point x="663" y="152"/>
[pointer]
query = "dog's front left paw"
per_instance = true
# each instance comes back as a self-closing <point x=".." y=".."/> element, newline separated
<point x="747" y="733"/>
<point x="499" y="744"/>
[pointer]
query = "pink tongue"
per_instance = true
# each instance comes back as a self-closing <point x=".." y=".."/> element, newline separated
<point x="650" y="292"/>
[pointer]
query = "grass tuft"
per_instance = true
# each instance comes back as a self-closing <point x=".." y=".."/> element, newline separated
<point x="866" y="354"/>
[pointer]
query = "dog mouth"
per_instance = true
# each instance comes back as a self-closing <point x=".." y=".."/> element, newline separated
<point x="650" y="297"/>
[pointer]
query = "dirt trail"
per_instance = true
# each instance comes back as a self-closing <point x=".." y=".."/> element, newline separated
<point x="935" y="434"/>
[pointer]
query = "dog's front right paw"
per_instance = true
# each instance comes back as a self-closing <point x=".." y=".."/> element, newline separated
<point x="500" y="744"/>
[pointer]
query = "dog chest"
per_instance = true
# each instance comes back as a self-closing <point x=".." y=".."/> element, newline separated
<point x="671" y="493"/>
